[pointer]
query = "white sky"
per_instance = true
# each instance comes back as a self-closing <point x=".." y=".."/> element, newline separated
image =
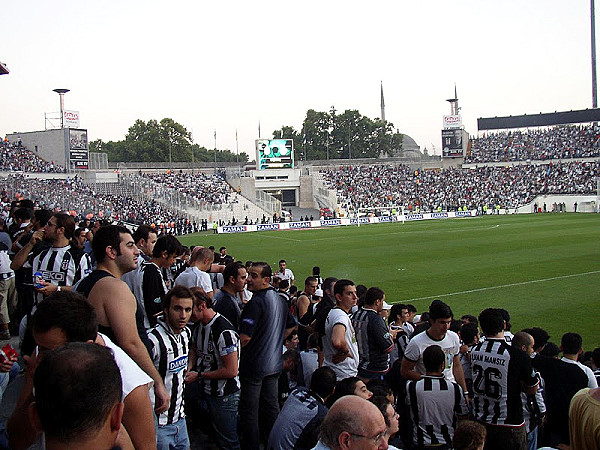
<point x="228" y="64"/>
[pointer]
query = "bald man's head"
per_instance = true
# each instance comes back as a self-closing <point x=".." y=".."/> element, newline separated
<point x="351" y="423"/>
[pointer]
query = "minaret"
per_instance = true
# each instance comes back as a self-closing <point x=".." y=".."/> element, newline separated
<point x="454" y="109"/>
<point x="382" y="104"/>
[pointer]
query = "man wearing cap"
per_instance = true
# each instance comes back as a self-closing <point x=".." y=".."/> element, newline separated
<point x="373" y="337"/>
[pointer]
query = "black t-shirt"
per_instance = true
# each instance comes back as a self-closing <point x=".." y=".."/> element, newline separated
<point x="561" y="382"/>
<point x="265" y="319"/>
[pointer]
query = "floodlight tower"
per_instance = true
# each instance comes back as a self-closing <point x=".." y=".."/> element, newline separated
<point x="61" y="93"/>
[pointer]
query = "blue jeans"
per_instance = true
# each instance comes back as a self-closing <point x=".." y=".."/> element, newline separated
<point x="173" y="437"/>
<point x="223" y="412"/>
<point x="258" y="399"/>
<point x="532" y="439"/>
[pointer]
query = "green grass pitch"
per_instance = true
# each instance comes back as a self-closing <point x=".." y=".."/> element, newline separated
<point x="543" y="268"/>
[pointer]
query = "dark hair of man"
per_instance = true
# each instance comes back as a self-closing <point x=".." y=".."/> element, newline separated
<point x="22" y="214"/>
<point x="284" y="285"/>
<point x="108" y="236"/>
<point x="282" y="261"/>
<point x="26" y="203"/>
<point x="521" y="339"/>
<point x="540" y="337"/>
<point x="248" y="264"/>
<point x="491" y="321"/>
<point x="232" y="270"/>
<point x="468" y="332"/>
<point x="433" y="358"/>
<point x="596" y="356"/>
<point x="395" y="312"/>
<point x="200" y="296"/>
<point x="411" y="309"/>
<point x="167" y="243"/>
<point x="379" y="387"/>
<point x="343" y="387"/>
<point x="322" y="382"/>
<point x="361" y="290"/>
<point x="328" y="282"/>
<point x="178" y="291"/>
<point x="439" y="310"/>
<point x="265" y="269"/>
<point x="373" y="294"/>
<point x="340" y="286"/>
<point x="68" y="311"/>
<point x="455" y="325"/>
<point x="470" y="319"/>
<point x="550" y="350"/>
<point x="382" y="403"/>
<point x="506" y="317"/>
<point x="67" y="222"/>
<point x="78" y="231"/>
<point x="309" y="280"/>
<point x="316" y="271"/>
<point x="291" y="355"/>
<point x="222" y="248"/>
<point x="469" y="435"/>
<point x="142" y="232"/>
<point x="76" y="386"/>
<point x="571" y="343"/>
<point x="290" y="336"/>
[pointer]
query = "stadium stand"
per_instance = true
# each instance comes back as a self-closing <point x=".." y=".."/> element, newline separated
<point x="561" y="142"/>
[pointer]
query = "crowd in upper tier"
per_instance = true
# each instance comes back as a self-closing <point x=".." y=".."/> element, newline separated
<point x="561" y="142"/>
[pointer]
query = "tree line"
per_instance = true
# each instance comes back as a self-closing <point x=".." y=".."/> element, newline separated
<point x="324" y="135"/>
<point x="163" y="141"/>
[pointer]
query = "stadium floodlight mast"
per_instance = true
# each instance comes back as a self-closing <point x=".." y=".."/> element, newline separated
<point x="61" y="93"/>
<point x="593" y="33"/>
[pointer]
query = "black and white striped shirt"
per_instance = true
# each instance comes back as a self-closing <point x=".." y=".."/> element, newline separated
<point x="435" y="404"/>
<point x="170" y="356"/>
<point x="214" y="340"/>
<point x="62" y="266"/>
<point x="498" y="371"/>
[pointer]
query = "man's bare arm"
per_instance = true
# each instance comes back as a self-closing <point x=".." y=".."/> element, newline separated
<point x="121" y="316"/>
<point x="407" y="370"/>
<point x="138" y="418"/>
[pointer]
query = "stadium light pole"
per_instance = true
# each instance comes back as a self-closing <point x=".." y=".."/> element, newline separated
<point x="61" y="93"/>
<point x="593" y="33"/>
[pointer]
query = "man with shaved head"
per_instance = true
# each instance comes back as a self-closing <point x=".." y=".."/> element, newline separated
<point x="353" y="423"/>
<point x="196" y="275"/>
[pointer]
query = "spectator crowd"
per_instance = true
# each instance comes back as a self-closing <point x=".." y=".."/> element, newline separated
<point x="561" y="142"/>
<point x="15" y="157"/>
<point x="389" y="185"/>
<point x="134" y="341"/>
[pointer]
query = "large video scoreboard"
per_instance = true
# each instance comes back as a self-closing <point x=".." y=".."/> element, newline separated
<point x="453" y="144"/>
<point x="274" y="154"/>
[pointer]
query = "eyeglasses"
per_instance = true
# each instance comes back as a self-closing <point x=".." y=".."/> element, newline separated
<point x="377" y="439"/>
<point x="50" y="224"/>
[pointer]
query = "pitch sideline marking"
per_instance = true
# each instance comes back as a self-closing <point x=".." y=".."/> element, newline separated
<point x="470" y="291"/>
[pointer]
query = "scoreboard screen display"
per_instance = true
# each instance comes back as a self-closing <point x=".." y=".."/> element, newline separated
<point x="452" y="143"/>
<point x="274" y="154"/>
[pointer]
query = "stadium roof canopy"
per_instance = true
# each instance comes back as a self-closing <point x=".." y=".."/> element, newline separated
<point x="539" y="120"/>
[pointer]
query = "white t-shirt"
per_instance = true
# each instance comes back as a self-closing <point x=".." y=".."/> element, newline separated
<point x="287" y="275"/>
<point x="131" y="374"/>
<point x="192" y="277"/>
<point x="450" y="344"/>
<point x="349" y="366"/>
